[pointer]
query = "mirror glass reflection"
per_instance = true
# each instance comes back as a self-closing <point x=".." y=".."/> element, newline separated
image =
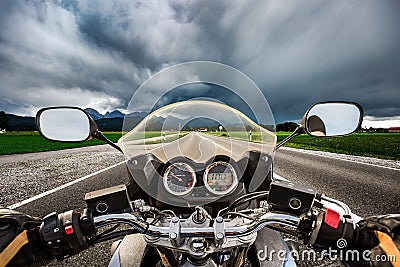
<point x="333" y="119"/>
<point x="65" y="124"/>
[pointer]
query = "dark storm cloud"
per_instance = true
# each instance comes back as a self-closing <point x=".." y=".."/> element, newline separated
<point x="95" y="53"/>
<point x="45" y="60"/>
<point x="206" y="92"/>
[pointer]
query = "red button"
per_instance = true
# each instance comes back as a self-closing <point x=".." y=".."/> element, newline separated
<point x="69" y="230"/>
<point x="332" y="218"/>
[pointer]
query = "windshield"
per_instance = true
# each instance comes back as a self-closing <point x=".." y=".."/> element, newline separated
<point x="199" y="150"/>
<point x="197" y="130"/>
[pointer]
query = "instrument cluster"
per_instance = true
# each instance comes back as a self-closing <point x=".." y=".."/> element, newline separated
<point x="218" y="178"/>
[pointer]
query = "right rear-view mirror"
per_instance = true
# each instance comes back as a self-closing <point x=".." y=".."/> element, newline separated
<point x="332" y="119"/>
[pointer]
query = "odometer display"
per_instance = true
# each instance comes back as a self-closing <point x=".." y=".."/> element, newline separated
<point x="220" y="178"/>
<point x="179" y="179"/>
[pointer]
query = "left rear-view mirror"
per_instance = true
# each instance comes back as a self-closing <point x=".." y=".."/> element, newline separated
<point x="65" y="124"/>
<point x="333" y="119"/>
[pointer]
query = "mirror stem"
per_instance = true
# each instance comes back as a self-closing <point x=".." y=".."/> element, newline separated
<point x="100" y="136"/>
<point x="299" y="130"/>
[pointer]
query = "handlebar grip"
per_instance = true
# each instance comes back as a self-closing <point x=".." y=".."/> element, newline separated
<point x="332" y="230"/>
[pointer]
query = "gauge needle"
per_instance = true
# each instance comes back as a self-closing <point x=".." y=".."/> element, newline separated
<point x="176" y="177"/>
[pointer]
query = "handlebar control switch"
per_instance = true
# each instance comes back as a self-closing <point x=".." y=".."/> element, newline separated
<point x="332" y="218"/>
<point x="289" y="197"/>
<point x="336" y="231"/>
<point x="62" y="234"/>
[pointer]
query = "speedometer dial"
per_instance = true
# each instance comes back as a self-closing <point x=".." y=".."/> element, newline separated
<point x="179" y="179"/>
<point x="220" y="178"/>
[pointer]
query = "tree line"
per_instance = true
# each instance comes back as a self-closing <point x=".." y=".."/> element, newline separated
<point x="3" y="120"/>
<point x="286" y="127"/>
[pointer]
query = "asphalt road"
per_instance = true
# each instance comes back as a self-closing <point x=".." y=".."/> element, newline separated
<point x="367" y="189"/>
<point x="196" y="146"/>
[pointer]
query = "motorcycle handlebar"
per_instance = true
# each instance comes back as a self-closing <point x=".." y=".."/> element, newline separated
<point x="68" y="233"/>
<point x="204" y="232"/>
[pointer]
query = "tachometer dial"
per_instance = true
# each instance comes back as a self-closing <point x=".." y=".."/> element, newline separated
<point x="179" y="179"/>
<point x="220" y="178"/>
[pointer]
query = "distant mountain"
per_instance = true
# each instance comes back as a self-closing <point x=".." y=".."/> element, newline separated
<point x="93" y="113"/>
<point x="109" y="115"/>
<point x="113" y="114"/>
<point x="111" y="121"/>
<point x="202" y="122"/>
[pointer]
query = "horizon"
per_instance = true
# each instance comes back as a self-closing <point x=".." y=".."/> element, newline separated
<point x="368" y="121"/>
<point x="96" y="54"/>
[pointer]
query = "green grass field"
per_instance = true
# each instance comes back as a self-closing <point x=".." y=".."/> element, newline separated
<point x="25" y="142"/>
<point x="379" y="145"/>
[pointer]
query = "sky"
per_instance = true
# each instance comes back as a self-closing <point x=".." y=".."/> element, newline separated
<point x="97" y="53"/>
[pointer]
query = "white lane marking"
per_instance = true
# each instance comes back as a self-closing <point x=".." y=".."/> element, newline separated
<point x="26" y="201"/>
<point x="278" y="177"/>
<point x="337" y="157"/>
